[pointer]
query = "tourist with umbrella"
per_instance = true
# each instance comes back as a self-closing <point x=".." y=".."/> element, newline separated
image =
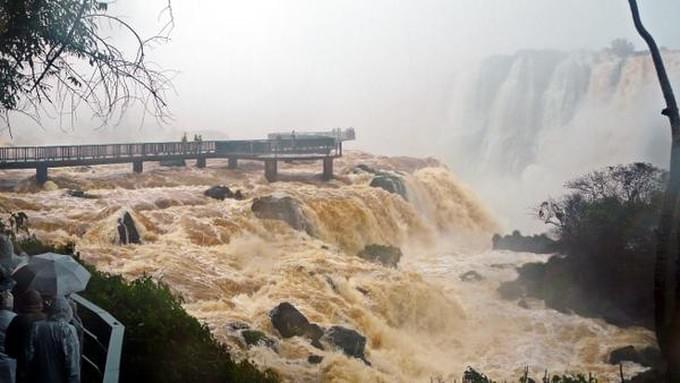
<point x="53" y="341"/>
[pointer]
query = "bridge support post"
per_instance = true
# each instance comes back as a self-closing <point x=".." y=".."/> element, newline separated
<point x="137" y="166"/>
<point x="200" y="162"/>
<point x="270" y="170"/>
<point x="327" y="169"/>
<point x="233" y="163"/>
<point x="41" y="174"/>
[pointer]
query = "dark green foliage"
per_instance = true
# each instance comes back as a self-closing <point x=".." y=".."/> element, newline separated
<point x="162" y="342"/>
<point x="473" y="376"/>
<point x="606" y="228"/>
<point x="54" y="52"/>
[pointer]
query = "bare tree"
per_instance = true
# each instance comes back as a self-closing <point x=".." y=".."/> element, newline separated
<point x="54" y="58"/>
<point x="666" y="286"/>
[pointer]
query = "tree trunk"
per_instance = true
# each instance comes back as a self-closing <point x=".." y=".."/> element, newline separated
<point x="666" y="298"/>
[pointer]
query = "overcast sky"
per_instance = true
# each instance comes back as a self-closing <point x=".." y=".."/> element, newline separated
<point x="386" y="67"/>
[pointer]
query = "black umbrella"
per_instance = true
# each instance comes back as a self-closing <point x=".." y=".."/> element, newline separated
<point x="52" y="274"/>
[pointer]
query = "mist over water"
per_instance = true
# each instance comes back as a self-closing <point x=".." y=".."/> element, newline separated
<point x="530" y="121"/>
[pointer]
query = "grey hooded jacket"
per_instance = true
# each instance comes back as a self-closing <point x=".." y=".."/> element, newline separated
<point x="55" y="352"/>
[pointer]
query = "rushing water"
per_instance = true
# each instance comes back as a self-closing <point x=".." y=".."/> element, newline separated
<point x="420" y="320"/>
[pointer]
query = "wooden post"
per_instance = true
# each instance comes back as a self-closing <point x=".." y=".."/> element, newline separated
<point x="200" y="162"/>
<point x="327" y="169"/>
<point x="270" y="170"/>
<point x="233" y="163"/>
<point x="41" y="174"/>
<point x="137" y="166"/>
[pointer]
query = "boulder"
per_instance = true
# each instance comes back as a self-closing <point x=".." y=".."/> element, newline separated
<point x="539" y="244"/>
<point x="351" y="342"/>
<point x="290" y="322"/>
<point x="648" y="356"/>
<point x="386" y="255"/>
<point x="175" y="162"/>
<point x="257" y="338"/>
<point x="314" y="359"/>
<point x="471" y="276"/>
<point x="364" y="168"/>
<point x="283" y="208"/>
<point x="79" y="194"/>
<point x="221" y="192"/>
<point x="127" y="230"/>
<point x="391" y="183"/>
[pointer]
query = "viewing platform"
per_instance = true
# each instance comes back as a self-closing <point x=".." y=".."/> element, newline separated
<point x="291" y="147"/>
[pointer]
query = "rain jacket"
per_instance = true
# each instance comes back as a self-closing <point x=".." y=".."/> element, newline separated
<point x="17" y="341"/>
<point x="8" y="365"/>
<point x="54" y="351"/>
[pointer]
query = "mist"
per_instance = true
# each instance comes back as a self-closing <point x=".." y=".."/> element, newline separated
<point x="392" y="70"/>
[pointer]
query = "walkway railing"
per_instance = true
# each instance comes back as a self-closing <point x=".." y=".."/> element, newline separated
<point x="103" y="343"/>
<point x="107" y="153"/>
<point x="103" y="151"/>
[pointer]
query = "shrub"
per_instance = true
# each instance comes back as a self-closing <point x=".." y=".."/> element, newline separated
<point x="162" y="342"/>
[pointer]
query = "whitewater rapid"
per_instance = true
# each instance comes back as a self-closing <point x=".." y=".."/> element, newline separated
<point x="420" y="320"/>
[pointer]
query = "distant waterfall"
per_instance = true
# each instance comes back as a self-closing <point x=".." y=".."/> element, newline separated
<point x="535" y="118"/>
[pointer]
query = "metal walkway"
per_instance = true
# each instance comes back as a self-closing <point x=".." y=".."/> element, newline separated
<point x="270" y="151"/>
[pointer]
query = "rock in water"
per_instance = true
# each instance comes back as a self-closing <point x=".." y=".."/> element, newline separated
<point x="288" y="321"/>
<point x="391" y="183"/>
<point x="219" y="192"/>
<point x="349" y="341"/>
<point x="127" y="230"/>
<point x="257" y="338"/>
<point x="314" y="359"/>
<point x="386" y="255"/>
<point x="471" y="276"/>
<point x="648" y="356"/>
<point x="284" y="208"/>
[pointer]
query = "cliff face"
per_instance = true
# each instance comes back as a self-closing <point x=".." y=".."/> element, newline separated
<point x="527" y="122"/>
<point x="520" y="106"/>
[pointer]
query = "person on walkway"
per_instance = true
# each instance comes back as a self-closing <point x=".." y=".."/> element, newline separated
<point x="29" y="308"/>
<point x="54" y="351"/>
<point x="8" y="365"/>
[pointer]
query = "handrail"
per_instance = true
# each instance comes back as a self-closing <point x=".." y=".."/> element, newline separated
<point x="159" y="150"/>
<point x="110" y="342"/>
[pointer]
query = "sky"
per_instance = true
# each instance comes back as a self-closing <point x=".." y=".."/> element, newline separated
<point x="385" y="67"/>
<point x="391" y="69"/>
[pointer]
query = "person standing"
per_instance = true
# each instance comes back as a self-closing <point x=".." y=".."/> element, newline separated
<point x="54" y="352"/>
<point x="29" y="307"/>
<point x="8" y="365"/>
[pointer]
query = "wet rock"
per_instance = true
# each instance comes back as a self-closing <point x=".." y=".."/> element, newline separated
<point x="175" y="162"/>
<point x="290" y="322"/>
<point x="391" y="183"/>
<point x="540" y="244"/>
<point x="79" y="194"/>
<point x="257" y="338"/>
<point x="237" y="325"/>
<point x="511" y="290"/>
<point x="471" y="276"/>
<point x="386" y="255"/>
<point x="314" y="359"/>
<point x="127" y="230"/>
<point x="523" y="304"/>
<point x="364" y="168"/>
<point x="222" y="192"/>
<point x="648" y="356"/>
<point x="351" y="342"/>
<point x="284" y="208"/>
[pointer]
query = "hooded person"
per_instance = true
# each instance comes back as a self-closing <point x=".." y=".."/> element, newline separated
<point x="29" y="308"/>
<point x="54" y="351"/>
<point x="8" y="365"/>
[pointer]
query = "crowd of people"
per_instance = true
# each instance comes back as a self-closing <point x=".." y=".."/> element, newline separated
<point x="40" y="336"/>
